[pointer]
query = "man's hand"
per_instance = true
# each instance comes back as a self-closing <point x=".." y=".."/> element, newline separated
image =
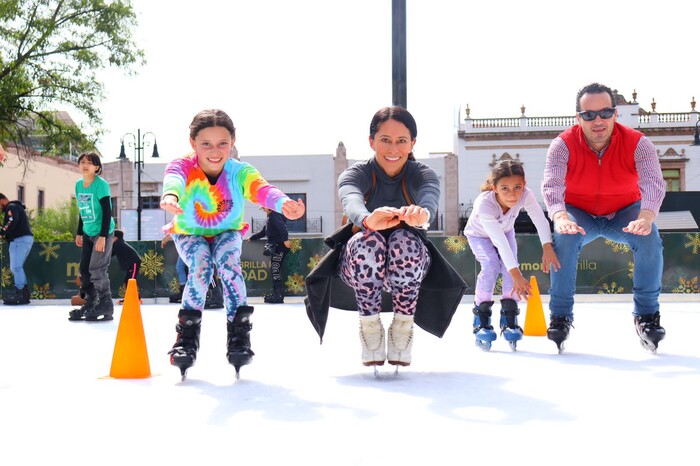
<point x="565" y="226"/>
<point x="643" y="225"/>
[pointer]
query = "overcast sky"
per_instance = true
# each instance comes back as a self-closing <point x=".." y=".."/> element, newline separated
<point x="298" y="77"/>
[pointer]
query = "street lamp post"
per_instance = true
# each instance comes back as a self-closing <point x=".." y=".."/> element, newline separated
<point x="139" y="144"/>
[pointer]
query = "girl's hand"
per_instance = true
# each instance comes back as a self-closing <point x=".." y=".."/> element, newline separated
<point x="169" y="204"/>
<point x="414" y="215"/>
<point x="549" y="258"/>
<point x="79" y="241"/>
<point x="100" y="244"/>
<point x="521" y="287"/>
<point x="293" y="209"/>
<point x="288" y="244"/>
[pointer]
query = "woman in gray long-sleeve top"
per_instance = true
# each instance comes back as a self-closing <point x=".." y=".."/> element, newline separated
<point x="391" y="198"/>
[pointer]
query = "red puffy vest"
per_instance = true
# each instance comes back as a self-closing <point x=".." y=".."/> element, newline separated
<point x="606" y="185"/>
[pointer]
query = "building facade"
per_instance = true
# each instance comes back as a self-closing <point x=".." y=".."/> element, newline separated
<point x="478" y="145"/>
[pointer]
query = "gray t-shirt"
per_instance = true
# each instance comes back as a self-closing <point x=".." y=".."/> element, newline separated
<point x="422" y="184"/>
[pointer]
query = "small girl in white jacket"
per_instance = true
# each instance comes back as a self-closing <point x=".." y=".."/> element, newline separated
<point x="490" y="231"/>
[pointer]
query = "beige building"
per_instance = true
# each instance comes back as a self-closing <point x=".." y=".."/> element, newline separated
<point x="38" y="181"/>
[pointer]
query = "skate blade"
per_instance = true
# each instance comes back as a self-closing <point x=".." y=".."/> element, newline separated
<point x="513" y="345"/>
<point x="103" y="318"/>
<point x="560" y="347"/>
<point x="483" y="344"/>
<point x="384" y="375"/>
<point x="648" y="345"/>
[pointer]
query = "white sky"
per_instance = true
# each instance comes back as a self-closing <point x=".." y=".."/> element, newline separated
<point x="297" y="77"/>
<point x="604" y="401"/>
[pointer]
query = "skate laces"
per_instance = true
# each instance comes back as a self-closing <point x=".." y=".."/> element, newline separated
<point x="401" y="333"/>
<point x="372" y="333"/>
<point x="561" y="323"/>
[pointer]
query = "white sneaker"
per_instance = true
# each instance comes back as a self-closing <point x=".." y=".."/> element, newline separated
<point x="372" y="338"/>
<point x="400" y="340"/>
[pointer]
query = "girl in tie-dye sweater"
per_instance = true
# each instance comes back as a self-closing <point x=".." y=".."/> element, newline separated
<point x="205" y="191"/>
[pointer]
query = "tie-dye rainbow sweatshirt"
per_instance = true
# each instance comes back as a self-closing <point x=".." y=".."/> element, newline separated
<point x="212" y="209"/>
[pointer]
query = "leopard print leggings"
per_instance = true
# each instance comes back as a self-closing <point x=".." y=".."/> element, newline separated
<point x="370" y="263"/>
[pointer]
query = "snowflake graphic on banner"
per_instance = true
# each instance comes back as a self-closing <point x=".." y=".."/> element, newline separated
<point x="151" y="264"/>
<point x="694" y="242"/>
<point x="49" y="251"/>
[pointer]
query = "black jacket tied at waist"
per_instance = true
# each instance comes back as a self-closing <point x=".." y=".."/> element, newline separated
<point x="440" y="292"/>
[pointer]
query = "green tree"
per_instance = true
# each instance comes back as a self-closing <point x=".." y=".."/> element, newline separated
<point x="58" y="224"/>
<point x="50" y="51"/>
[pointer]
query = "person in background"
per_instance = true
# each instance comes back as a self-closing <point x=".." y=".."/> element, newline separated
<point x="602" y="178"/>
<point x="490" y="232"/>
<point x="95" y="235"/>
<point x="275" y="230"/>
<point x="17" y="231"/>
<point x="180" y="269"/>
<point x="129" y="260"/>
<point x="205" y="192"/>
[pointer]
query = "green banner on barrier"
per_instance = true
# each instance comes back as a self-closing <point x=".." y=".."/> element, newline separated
<point x="604" y="266"/>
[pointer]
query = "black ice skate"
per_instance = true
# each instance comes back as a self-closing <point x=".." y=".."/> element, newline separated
<point x="239" y="353"/>
<point x="102" y="312"/>
<point x="90" y="296"/>
<point x="177" y="296"/>
<point x="649" y="330"/>
<point x="558" y="330"/>
<point x="20" y="297"/>
<point x="184" y="352"/>
<point x="215" y="296"/>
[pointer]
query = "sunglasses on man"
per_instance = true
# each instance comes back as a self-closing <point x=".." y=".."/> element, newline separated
<point x="589" y="115"/>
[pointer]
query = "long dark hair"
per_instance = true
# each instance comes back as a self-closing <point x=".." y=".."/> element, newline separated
<point x="503" y="169"/>
<point x="210" y="118"/>
<point x="399" y="114"/>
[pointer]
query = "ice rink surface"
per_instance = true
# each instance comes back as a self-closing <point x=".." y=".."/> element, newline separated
<point x="604" y="401"/>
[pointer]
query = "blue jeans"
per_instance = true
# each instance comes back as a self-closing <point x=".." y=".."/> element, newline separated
<point x="647" y="253"/>
<point x="19" y="250"/>
<point x="181" y="269"/>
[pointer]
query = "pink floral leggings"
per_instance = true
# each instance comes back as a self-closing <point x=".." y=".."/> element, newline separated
<point x="370" y="263"/>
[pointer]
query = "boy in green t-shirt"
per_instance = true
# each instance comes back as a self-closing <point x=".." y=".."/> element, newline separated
<point x="95" y="236"/>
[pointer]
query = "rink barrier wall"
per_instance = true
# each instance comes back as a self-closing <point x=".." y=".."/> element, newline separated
<point x="604" y="267"/>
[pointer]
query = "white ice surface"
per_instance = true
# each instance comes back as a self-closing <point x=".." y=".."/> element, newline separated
<point x="604" y="401"/>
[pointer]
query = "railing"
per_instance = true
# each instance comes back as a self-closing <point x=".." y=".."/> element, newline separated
<point x="478" y="125"/>
<point x="313" y="225"/>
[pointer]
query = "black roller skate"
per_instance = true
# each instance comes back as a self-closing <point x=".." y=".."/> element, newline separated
<point x="239" y="353"/>
<point x="483" y="330"/>
<point x="89" y="295"/>
<point x="558" y="330"/>
<point x="649" y="330"/>
<point x="509" y="322"/>
<point x="184" y="352"/>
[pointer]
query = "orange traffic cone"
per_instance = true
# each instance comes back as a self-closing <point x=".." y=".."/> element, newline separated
<point x="130" y="359"/>
<point x="535" y="325"/>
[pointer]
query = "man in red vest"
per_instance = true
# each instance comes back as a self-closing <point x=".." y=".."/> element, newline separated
<point x="604" y="179"/>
